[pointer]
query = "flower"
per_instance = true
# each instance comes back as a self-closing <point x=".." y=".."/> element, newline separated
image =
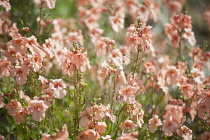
<point x="5" y="4"/>
<point x="58" y="87"/>
<point x="100" y="127"/>
<point x="186" y="133"/>
<point x="20" y="115"/>
<point x="45" y="3"/>
<point x="37" y="109"/>
<point x="127" y="124"/>
<point x="89" y="134"/>
<point x="153" y="122"/>
<point x="20" y="74"/>
<point x="13" y="106"/>
<point x="1" y="98"/>
<point x="5" y="68"/>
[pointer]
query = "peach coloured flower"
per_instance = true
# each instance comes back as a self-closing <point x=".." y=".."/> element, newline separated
<point x="128" y="93"/>
<point x="139" y="38"/>
<point x="206" y="98"/>
<point x="48" y="96"/>
<point x="20" y="74"/>
<point x="110" y="114"/>
<point x="45" y="3"/>
<point x="5" y="4"/>
<point x="5" y="68"/>
<point x="203" y="111"/>
<point x="196" y="54"/>
<point x="154" y="9"/>
<point x="132" y="38"/>
<point x="126" y="136"/>
<point x="187" y="90"/>
<point x="62" y="135"/>
<point x="10" y="54"/>
<point x="139" y="118"/>
<point x="99" y="112"/>
<point x="205" y="136"/>
<point x="169" y="126"/>
<point x="76" y="59"/>
<point x="95" y="34"/>
<point x="100" y="127"/>
<point x="103" y="46"/>
<point x="174" y="6"/>
<point x="58" y="87"/>
<point x="48" y="48"/>
<point x="149" y="67"/>
<point x="127" y="124"/>
<point x="86" y="117"/>
<point x="37" y="109"/>
<point x="37" y="55"/>
<point x="44" y="81"/>
<point x="189" y="36"/>
<point x="193" y="111"/>
<point x="20" y="44"/>
<point x="89" y="134"/>
<point x="74" y="37"/>
<point x="20" y="115"/>
<point x="117" y="20"/>
<point x="2" y="137"/>
<point x="1" y="99"/>
<point x="153" y="123"/>
<point x="172" y="75"/>
<point x="186" y="133"/>
<point x="13" y="106"/>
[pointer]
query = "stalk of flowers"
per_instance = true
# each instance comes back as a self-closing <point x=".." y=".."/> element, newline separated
<point x="180" y="28"/>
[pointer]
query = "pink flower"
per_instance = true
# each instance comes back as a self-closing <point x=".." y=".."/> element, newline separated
<point x="45" y="3"/>
<point x="186" y="133"/>
<point x="139" y="118"/>
<point x="205" y="136"/>
<point x="169" y="126"/>
<point x="1" y="98"/>
<point x="117" y="20"/>
<point x="2" y="137"/>
<point x="172" y="75"/>
<point x="103" y="46"/>
<point x="37" y="109"/>
<point x="20" y="115"/>
<point x="126" y="136"/>
<point x="187" y="90"/>
<point x="100" y="127"/>
<point x="99" y="112"/>
<point x="149" y="66"/>
<point x="74" y="37"/>
<point x="128" y="93"/>
<point x="127" y="124"/>
<point x="89" y="134"/>
<point x="20" y="74"/>
<point x="63" y="135"/>
<point x="5" y="4"/>
<point x="153" y="123"/>
<point x="58" y="87"/>
<point x="5" y="68"/>
<point x="13" y="106"/>
<point x="76" y="59"/>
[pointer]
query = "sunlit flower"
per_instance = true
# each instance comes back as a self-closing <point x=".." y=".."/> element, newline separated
<point x="13" y="107"/>
<point x="89" y="134"/>
<point x="153" y="123"/>
<point x="37" y="109"/>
